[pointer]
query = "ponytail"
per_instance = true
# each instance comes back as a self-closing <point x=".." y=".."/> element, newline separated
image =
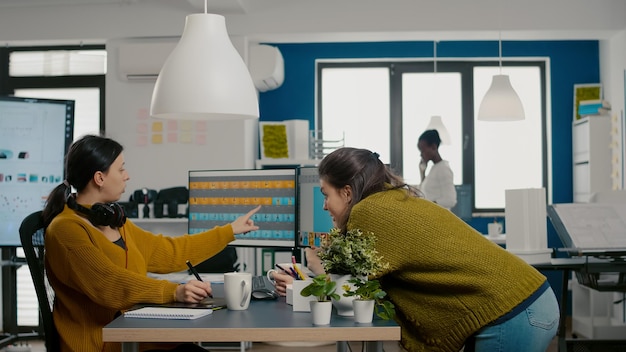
<point x="55" y="203"/>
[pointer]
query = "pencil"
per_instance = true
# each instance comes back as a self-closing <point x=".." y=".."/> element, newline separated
<point x="295" y="267"/>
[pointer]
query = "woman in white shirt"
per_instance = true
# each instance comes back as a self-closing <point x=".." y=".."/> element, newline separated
<point x="438" y="185"/>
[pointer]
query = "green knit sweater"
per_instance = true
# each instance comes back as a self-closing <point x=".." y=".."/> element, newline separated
<point x="93" y="278"/>
<point x="446" y="279"/>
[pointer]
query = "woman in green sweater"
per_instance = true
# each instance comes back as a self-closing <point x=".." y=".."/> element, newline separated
<point x="97" y="261"/>
<point x="451" y="286"/>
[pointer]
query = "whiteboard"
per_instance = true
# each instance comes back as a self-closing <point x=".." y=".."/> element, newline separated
<point x="590" y="226"/>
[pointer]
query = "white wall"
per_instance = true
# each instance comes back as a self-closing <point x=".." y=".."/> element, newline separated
<point x="222" y="144"/>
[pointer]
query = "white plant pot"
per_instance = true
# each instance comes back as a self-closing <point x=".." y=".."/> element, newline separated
<point x="344" y="304"/>
<point x="363" y="310"/>
<point x="320" y="312"/>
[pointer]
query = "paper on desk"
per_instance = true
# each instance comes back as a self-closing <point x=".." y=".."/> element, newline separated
<point x="184" y="276"/>
<point x="167" y="313"/>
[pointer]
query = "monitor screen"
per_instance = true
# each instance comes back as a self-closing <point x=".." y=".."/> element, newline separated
<point x="34" y="137"/>
<point x="313" y="220"/>
<point x="219" y="197"/>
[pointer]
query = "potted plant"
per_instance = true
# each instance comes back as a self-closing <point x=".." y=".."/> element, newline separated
<point x="368" y="295"/>
<point x="346" y="256"/>
<point x="323" y="289"/>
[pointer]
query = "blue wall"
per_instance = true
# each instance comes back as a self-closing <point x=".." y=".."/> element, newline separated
<point x="571" y="62"/>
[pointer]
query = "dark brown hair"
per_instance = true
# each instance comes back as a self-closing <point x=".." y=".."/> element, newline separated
<point x="84" y="158"/>
<point x="363" y="171"/>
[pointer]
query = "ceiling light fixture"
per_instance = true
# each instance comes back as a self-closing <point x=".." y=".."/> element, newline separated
<point x="204" y="78"/>
<point x="436" y="123"/>
<point x="501" y="102"/>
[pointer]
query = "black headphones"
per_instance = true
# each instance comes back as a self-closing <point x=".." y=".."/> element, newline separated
<point x="100" y="214"/>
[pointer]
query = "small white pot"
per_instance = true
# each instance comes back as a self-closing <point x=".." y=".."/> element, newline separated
<point x="320" y="311"/>
<point x="363" y="310"/>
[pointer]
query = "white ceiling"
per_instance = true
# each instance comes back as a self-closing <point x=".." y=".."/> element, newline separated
<point x="330" y="20"/>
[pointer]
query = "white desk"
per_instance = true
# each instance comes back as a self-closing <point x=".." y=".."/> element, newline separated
<point x="263" y="321"/>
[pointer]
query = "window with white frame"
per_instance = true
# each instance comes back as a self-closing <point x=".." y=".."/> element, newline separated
<point x="385" y="106"/>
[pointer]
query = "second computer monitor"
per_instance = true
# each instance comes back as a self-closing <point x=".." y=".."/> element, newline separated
<point x="313" y="220"/>
<point x="219" y="197"/>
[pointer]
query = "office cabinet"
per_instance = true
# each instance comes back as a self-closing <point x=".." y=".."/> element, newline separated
<point x="596" y="314"/>
<point x="591" y="156"/>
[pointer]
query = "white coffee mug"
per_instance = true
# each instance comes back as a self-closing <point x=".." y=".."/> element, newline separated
<point x="237" y="289"/>
<point x="494" y="228"/>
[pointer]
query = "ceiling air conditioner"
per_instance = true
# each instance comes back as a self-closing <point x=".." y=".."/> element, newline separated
<point x="143" y="61"/>
<point x="267" y="67"/>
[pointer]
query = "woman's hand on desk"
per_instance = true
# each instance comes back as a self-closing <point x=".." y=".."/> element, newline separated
<point x="193" y="291"/>
<point x="281" y="280"/>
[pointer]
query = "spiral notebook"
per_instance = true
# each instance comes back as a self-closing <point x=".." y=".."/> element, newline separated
<point x="167" y="313"/>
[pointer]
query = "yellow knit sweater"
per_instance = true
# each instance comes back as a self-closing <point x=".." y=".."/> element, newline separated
<point x="446" y="279"/>
<point x="94" y="279"/>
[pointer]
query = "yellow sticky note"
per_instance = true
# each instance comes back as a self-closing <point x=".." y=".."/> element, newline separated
<point x="157" y="126"/>
<point x="157" y="138"/>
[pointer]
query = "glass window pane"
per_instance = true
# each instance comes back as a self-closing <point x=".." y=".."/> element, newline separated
<point x="57" y="63"/>
<point x="356" y="101"/>
<point x="425" y="95"/>
<point x="508" y="155"/>
<point x="86" y="109"/>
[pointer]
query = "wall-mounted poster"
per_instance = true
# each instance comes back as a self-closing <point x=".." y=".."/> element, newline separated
<point x="588" y="91"/>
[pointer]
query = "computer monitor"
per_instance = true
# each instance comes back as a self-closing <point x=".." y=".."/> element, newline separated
<point x="34" y="137"/>
<point x="313" y="220"/>
<point x="218" y="197"/>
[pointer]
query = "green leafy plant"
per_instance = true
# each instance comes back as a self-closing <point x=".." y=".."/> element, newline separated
<point x="370" y="290"/>
<point x="322" y="287"/>
<point x="352" y="253"/>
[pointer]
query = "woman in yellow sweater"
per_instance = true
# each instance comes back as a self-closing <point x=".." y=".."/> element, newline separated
<point x="451" y="286"/>
<point x="97" y="261"/>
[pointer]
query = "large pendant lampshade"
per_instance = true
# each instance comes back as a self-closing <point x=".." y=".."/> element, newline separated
<point x="204" y="78"/>
<point x="501" y="102"/>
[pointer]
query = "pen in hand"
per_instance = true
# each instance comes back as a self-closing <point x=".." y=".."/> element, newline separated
<point x="195" y="273"/>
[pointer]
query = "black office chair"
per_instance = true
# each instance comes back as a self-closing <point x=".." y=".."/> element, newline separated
<point x="32" y="237"/>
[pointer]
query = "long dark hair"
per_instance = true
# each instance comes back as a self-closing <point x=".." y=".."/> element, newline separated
<point x="363" y="171"/>
<point x="84" y="158"/>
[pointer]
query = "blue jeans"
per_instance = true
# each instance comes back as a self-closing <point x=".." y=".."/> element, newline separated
<point x="531" y="330"/>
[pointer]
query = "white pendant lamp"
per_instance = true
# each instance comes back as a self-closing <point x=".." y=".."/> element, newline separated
<point x="204" y="78"/>
<point x="501" y="102"/>
<point x="437" y="124"/>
